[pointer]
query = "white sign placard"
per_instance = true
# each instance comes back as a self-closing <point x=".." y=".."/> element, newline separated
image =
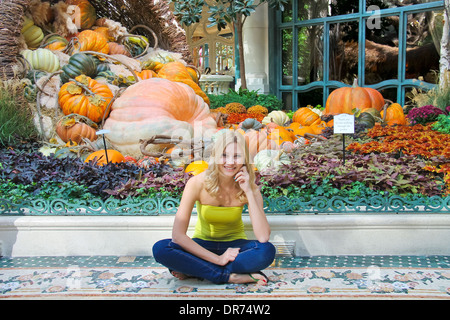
<point x="344" y="123"/>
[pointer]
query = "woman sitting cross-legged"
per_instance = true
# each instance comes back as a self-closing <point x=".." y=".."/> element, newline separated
<point x="219" y="250"/>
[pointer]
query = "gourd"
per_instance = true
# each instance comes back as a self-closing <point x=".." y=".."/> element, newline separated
<point x="116" y="48"/>
<point x="394" y="115"/>
<point x="157" y="107"/>
<point x="348" y="99"/>
<point x="85" y="14"/>
<point x="147" y="161"/>
<point x="41" y="59"/>
<point x="257" y="141"/>
<point x="270" y="159"/>
<point x="79" y="64"/>
<point x="250" y="123"/>
<point x="32" y="34"/>
<point x="297" y="130"/>
<point x="277" y="116"/>
<point x="56" y="42"/>
<point x="99" y="157"/>
<point x="196" y="167"/>
<point x="86" y="97"/>
<point x="146" y="74"/>
<point x="178" y="72"/>
<point x="366" y="119"/>
<point x="306" y="117"/>
<point x="71" y="128"/>
<point x="89" y="40"/>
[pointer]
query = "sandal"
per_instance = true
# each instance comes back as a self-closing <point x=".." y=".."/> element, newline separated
<point x="261" y="273"/>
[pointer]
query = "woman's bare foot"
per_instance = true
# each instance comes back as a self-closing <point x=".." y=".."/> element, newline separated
<point x="179" y="275"/>
<point x="257" y="278"/>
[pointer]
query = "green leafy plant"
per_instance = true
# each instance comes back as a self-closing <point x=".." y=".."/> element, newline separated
<point x="247" y="98"/>
<point x="442" y="124"/>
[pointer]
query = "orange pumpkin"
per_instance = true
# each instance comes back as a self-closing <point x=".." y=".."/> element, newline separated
<point x="196" y="167"/>
<point x="394" y="115"/>
<point x="347" y="99"/>
<point x="257" y="141"/>
<point x="85" y="14"/>
<point x="89" y="40"/>
<point x="116" y="48"/>
<point x="280" y="134"/>
<point x="71" y="130"/>
<point x="89" y="99"/>
<point x="176" y="71"/>
<point x="297" y="130"/>
<point x="146" y="74"/>
<point x="306" y="117"/>
<point x="99" y="157"/>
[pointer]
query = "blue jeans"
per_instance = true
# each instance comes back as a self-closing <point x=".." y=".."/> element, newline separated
<point x="253" y="256"/>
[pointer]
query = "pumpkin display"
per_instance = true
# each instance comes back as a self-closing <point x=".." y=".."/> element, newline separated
<point x="70" y="128"/>
<point x="85" y="14"/>
<point x="270" y="159"/>
<point x="349" y="99"/>
<point x="32" y="34"/>
<point x="306" y="117"/>
<point x="178" y="72"/>
<point x="394" y="115"/>
<point x="277" y="116"/>
<point x="101" y="157"/>
<point x="85" y="97"/>
<point x="79" y="63"/>
<point x="41" y="59"/>
<point x="157" y="107"/>
<point x="196" y="167"/>
<point x="89" y="40"/>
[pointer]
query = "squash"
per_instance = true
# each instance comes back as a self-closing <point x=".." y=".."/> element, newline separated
<point x="257" y="141"/>
<point x="277" y="116"/>
<point x="42" y="59"/>
<point x="85" y="14"/>
<point x="79" y="64"/>
<point x="394" y="115"/>
<point x="297" y="130"/>
<point x="367" y="119"/>
<point x="347" y="99"/>
<point x="147" y="162"/>
<point x="87" y="97"/>
<point x="32" y="34"/>
<point x="280" y="134"/>
<point x="157" y="107"/>
<point x="178" y="72"/>
<point x="89" y="40"/>
<point x="71" y="128"/>
<point x="196" y="167"/>
<point x="306" y="117"/>
<point x="250" y="123"/>
<point x="270" y="159"/>
<point x="99" y="157"/>
<point x="56" y="43"/>
<point x="117" y="48"/>
<point x="146" y="74"/>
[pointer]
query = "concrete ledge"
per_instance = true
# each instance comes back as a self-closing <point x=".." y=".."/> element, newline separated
<point x="371" y="234"/>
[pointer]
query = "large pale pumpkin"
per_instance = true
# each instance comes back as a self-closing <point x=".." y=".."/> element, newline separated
<point x="157" y="107"/>
<point x="348" y="99"/>
<point x="178" y="72"/>
<point x="88" y="98"/>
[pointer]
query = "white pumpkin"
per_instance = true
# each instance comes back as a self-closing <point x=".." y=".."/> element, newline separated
<point x="270" y="159"/>
<point x="277" y="116"/>
<point x="42" y="59"/>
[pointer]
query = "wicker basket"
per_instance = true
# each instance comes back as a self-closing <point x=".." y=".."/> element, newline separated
<point x="156" y="16"/>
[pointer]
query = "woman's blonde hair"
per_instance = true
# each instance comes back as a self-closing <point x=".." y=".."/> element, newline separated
<point x="222" y="139"/>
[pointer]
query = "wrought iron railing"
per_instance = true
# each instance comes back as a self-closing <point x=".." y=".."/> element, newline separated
<point x="278" y="206"/>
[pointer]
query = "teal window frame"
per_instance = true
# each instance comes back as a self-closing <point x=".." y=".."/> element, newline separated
<point x="276" y="27"/>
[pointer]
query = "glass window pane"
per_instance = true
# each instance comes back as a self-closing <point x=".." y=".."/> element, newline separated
<point x="424" y="32"/>
<point x="389" y="94"/>
<point x="287" y="56"/>
<point x="286" y="97"/>
<point x="310" y="54"/>
<point x="342" y="7"/>
<point x="381" y="49"/>
<point x="311" y="98"/>
<point x="343" y="62"/>
<point x="287" y="14"/>
<point x="395" y="3"/>
<point x="311" y="9"/>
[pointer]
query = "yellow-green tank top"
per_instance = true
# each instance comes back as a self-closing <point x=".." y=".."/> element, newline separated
<point x="219" y="223"/>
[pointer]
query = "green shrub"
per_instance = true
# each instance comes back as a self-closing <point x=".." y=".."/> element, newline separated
<point x="247" y="98"/>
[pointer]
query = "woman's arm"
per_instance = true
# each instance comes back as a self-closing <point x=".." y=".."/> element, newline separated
<point x="181" y="224"/>
<point x="258" y="218"/>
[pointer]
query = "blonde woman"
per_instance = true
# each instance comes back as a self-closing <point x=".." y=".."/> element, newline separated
<point x="219" y="250"/>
